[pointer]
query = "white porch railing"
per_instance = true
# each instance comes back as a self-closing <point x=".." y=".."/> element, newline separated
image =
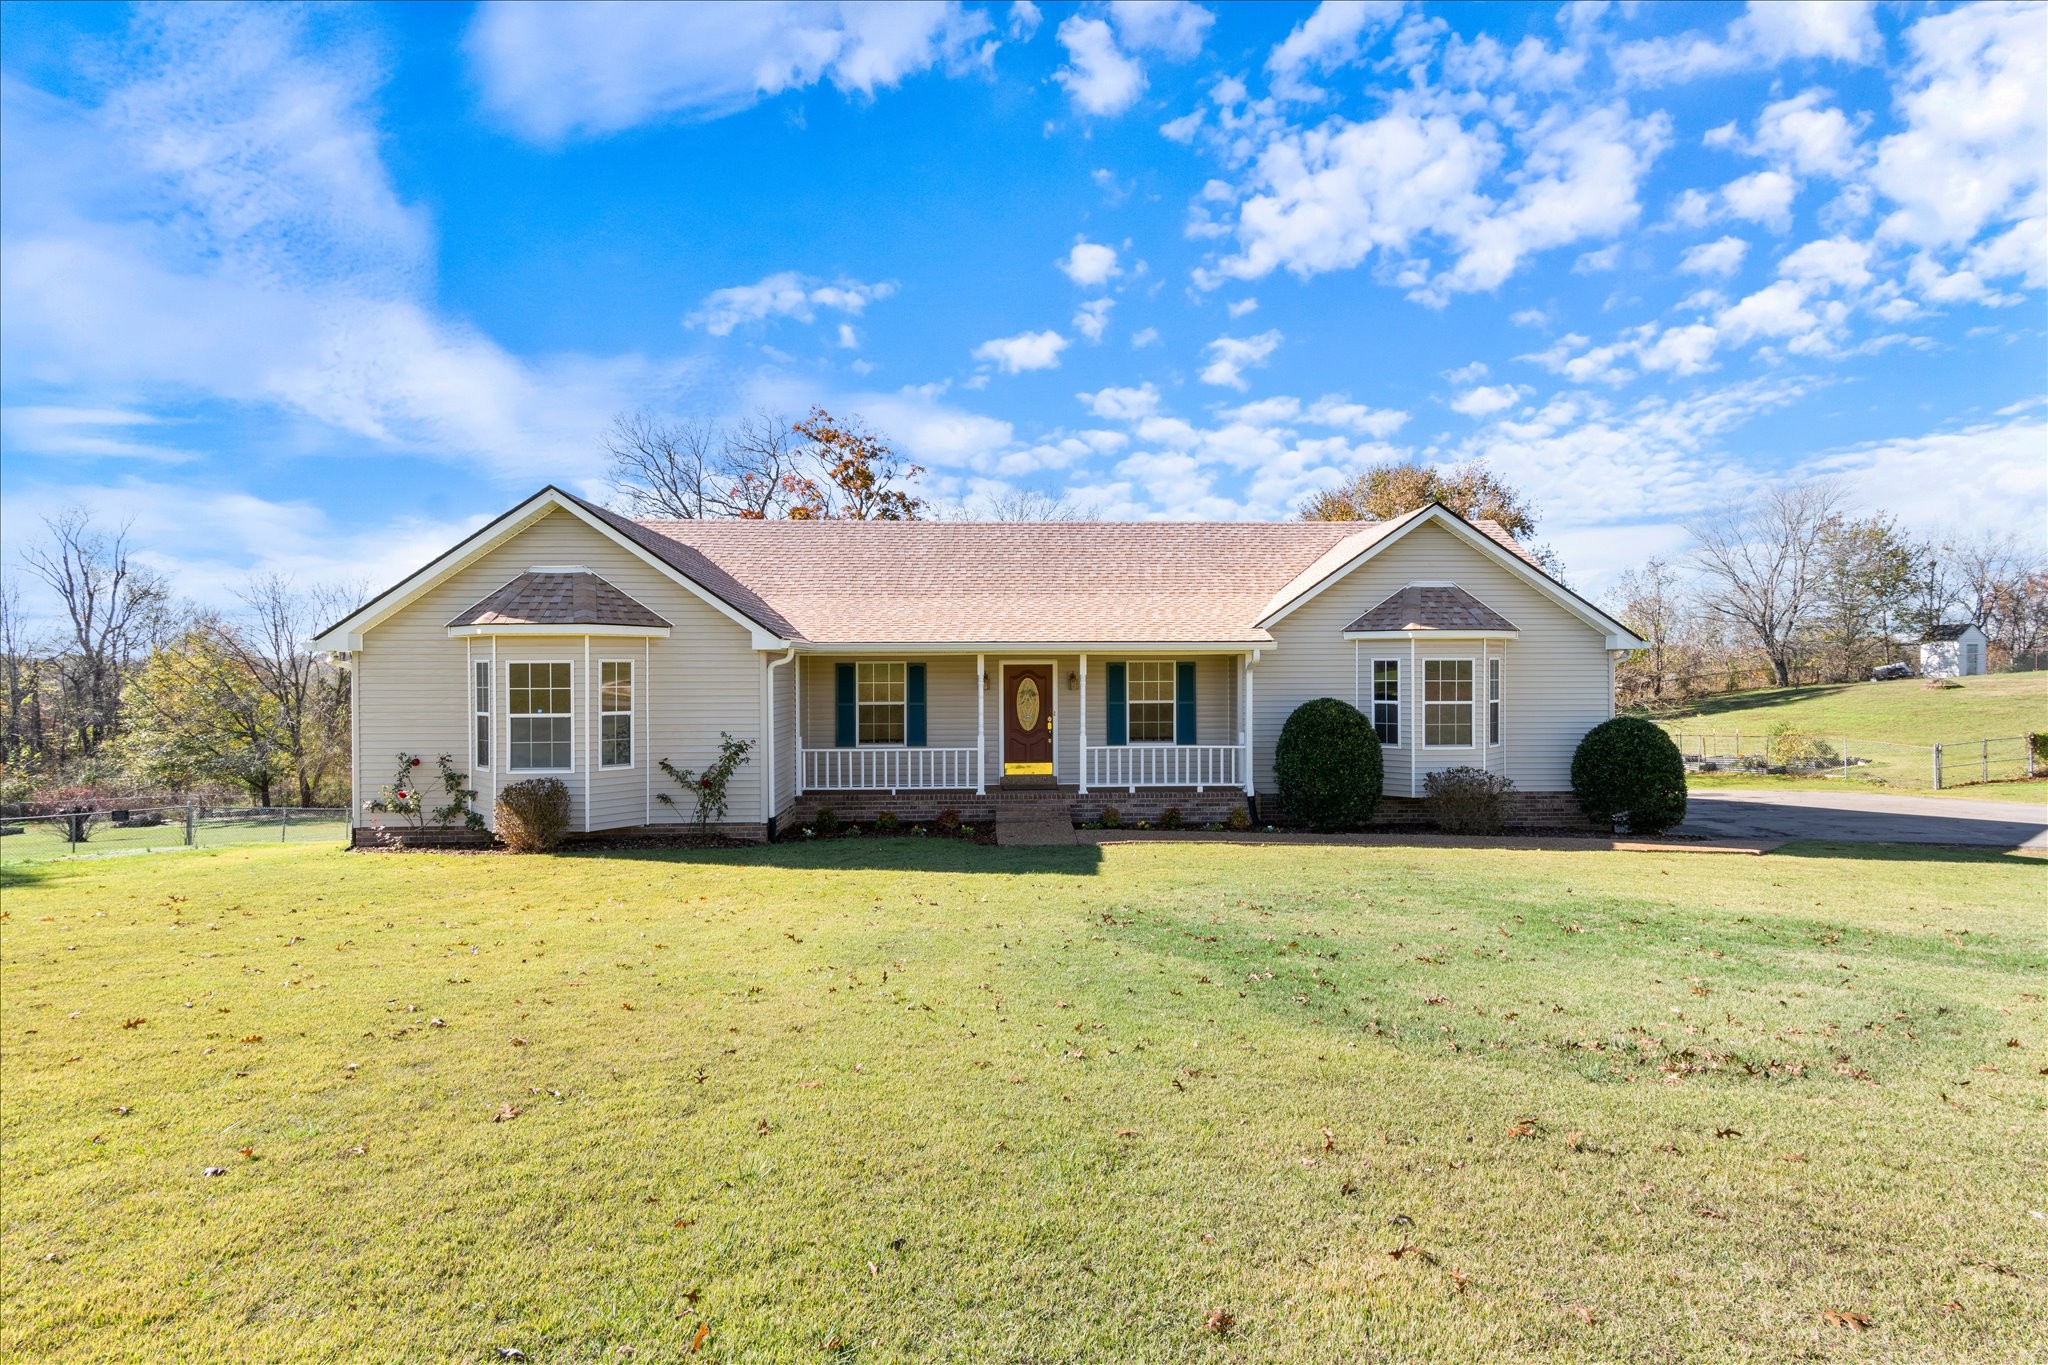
<point x="891" y="770"/>
<point x="1164" y="765"/>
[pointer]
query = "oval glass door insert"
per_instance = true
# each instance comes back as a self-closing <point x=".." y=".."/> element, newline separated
<point x="1027" y="704"/>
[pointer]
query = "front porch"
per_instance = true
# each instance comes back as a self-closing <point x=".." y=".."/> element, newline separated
<point x="961" y="727"/>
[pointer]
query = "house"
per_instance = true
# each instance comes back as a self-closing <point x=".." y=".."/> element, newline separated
<point x="920" y="666"/>
<point x="1954" y="650"/>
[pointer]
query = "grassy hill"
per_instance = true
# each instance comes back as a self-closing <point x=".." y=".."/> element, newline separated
<point x="1908" y="712"/>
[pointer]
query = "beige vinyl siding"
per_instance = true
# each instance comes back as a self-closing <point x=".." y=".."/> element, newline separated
<point x="782" y="682"/>
<point x="703" y="678"/>
<point x="1555" y="679"/>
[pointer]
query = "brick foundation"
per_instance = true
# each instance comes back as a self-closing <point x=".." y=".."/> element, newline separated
<point x="1212" y="806"/>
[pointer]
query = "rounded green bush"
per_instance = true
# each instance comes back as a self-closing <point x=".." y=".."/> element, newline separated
<point x="1328" y="765"/>
<point x="1628" y="769"/>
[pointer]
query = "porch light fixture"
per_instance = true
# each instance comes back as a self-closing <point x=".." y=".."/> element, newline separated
<point x="1073" y="682"/>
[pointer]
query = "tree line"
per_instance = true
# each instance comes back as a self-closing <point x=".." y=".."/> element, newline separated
<point x="127" y="691"/>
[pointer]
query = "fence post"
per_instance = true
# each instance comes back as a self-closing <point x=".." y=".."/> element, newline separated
<point x="2029" y="742"/>
<point x="1937" y="767"/>
<point x="191" y="826"/>
<point x="1985" y="753"/>
<point x="283" y="814"/>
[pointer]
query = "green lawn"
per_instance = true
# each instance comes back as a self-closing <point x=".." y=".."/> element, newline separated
<point x="877" y="1100"/>
<point x="1991" y="706"/>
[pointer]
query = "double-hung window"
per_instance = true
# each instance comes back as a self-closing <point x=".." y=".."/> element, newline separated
<point x="1493" y="701"/>
<point x="542" y="716"/>
<point x="1386" y="701"/>
<point x="615" y="714"/>
<point x="481" y="704"/>
<point x="1447" y="703"/>
<point x="1149" y="706"/>
<point x="882" y="693"/>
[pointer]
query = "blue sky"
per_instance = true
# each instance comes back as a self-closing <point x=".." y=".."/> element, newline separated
<point x="319" y="290"/>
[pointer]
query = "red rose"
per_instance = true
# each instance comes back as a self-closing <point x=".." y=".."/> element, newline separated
<point x="415" y="763"/>
<point x="704" y="782"/>
<point x="400" y="795"/>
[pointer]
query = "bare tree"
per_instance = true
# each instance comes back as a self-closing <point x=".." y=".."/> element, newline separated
<point x="762" y="468"/>
<point x="1762" y="565"/>
<point x="660" y="468"/>
<point x="1652" y="601"/>
<point x="309" y="693"/>
<point x="1023" y="504"/>
<point x="114" y="606"/>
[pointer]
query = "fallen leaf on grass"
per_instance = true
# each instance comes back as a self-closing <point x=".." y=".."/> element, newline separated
<point x="1410" y="1249"/>
<point x="253" y="1038"/>
<point x="1791" y="1156"/>
<point x="1952" y="1307"/>
<point x="697" y="1337"/>
<point x="249" y="1152"/>
<point x="1459" y="1280"/>
<point x="1219" y="1321"/>
<point x="506" y="1112"/>
<point x="1209" y="1239"/>
<point x="1727" y="1132"/>
<point x="519" y="1042"/>
<point x="1585" y="1314"/>
<point x="1843" y="1318"/>
<point x="134" y="1023"/>
<point x="1126" y="1132"/>
<point x="685" y="1223"/>
<point x="1575" y="1140"/>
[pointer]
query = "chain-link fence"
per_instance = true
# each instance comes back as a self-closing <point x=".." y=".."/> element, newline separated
<point x="1801" y="754"/>
<point x="28" y="838"/>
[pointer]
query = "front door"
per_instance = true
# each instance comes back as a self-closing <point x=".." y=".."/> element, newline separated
<point x="1027" y="720"/>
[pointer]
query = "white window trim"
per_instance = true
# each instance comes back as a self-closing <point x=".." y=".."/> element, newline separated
<point x="1496" y="696"/>
<point x="1373" y="703"/>
<point x="903" y="743"/>
<point x="1424" y="703"/>
<point x="510" y="664"/>
<point x="631" y="713"/>
<point x="1172" y="705"/>
<point x="482" y="762"/>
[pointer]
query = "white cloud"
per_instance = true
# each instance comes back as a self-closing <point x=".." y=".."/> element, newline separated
<point x="92" y="433"/>
<point x="1099" y="77"/>
<point x="1764" y="197"/>
<point x="785" y="294"/>
<point x="1328" y="197"/>
<point x="1720" y="257"/>
<point x="1147" y="337"/>
<point x="1777" y="310"/>
<point x="1242" y="308"/>
<point x="1090" y="264"/>
<point x="1331" y="37"/>
<point x="1024" y="20"/>
<point x="552" y="72"/>
<point x="1833" y="260"/>
<point x="1681" y="350"/>
<point x="1230" y="357"/>
<point x="1091" y="319"/>
<point x="1970" y="154"/>
<point x="1025" y="351"/>
<point x="1808" y="136"/>
<point x="1467" y="374"/>
<point x="1123" y="405"/>
<point x="1484" y="401"/>
<point x="1769" y="31"/>
<point x="1172" y="28"/>
<point x="1598" y="262"/>
<point x="1989" y="474"/>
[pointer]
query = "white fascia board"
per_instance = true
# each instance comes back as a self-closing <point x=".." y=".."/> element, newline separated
<point x="347" y="633"/>
<point x="630" y="632"/>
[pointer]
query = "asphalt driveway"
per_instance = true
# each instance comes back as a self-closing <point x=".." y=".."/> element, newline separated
<point x="1867" y="818"/>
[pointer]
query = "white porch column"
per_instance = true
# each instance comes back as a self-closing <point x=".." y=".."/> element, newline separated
<point x="1479" y="711"/>
<point x="1413" y="684"/>
<point x="1251" y="661"/>
<point x="643" y="699"/>
<point x="590" y="705"/>
<point x="1081" y="730"/>
<point x="981" y="725"/>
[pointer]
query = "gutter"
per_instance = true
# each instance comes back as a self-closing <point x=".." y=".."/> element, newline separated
<point x="768" y="786"/>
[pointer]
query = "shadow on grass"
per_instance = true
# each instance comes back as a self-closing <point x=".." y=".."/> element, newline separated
<point x="1708" y="708"/>
<point x="1903" y="855"/>
<point x="881" y="854"/>
<point x="21" y="875"/>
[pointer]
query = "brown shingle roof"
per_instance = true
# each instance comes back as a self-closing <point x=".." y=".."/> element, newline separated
<point x="842" y="582"/>
<point x="559" y="599"/>
<point x="1431" y="608"/>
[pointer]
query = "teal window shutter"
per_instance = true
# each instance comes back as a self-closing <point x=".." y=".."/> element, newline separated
<point x="1119" y="707"/>
<point x="1183" y="703"/>
<point x="845" y="715"/>
<point x="913" y="705"/>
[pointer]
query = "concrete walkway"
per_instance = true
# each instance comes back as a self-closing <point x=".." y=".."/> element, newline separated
<point x="1865" y="818"/>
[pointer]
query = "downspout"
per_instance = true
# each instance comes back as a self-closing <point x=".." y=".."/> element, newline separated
<point x="1251" y="766"/>
<point x="768" y="787"/>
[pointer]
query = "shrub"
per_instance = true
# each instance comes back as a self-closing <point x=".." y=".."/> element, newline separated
<point x="1328" y="765"/>
<point x="1110" y="818"/>
<point x="887" y="823"/>
<point x="708" y="787"/>
<point x="1628" y="769"/>
<point x="1172" y="819"/>
<point x="827" y="821"/>
<point x="2039" y="745"/>
<point x="947" y="822"/>
<point x="1794" y="748"/>
<point x="1239" y="820"/>
<point x="533" y="815"/>
<point x="1468" y="800"/>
